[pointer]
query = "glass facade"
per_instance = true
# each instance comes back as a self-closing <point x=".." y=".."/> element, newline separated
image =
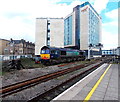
<point x="93" y="28"/>
<point x="77" y="26"/>
<point x="93" y="25"/>
<point x="68" y="31"/>
<point x="107" y="52"/>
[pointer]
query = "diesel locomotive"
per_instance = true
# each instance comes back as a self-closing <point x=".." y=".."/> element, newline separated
<point x="52" y="55"/>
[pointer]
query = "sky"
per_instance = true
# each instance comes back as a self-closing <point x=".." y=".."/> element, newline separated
<point x="18" y="17"/>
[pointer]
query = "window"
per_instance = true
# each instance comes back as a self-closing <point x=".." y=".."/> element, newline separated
<point x="48" y="42"/>
<point x="68" y="31"/>
<point x="49" y="27"/>
<point x="56" y="52"/>
<point x="48" y="30"/>
<point x="48" y="21"/>
<point x="6" y="51"/>
<point x="53" y="52"/>
<point x="81" y="53"/>
<point x="48" y="35"/>
<point x="63" y="52"/>
<point x="48" y="38"/>
<point x="45" y="51"/>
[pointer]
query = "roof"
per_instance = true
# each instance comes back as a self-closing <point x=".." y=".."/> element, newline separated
<point x="53" y="48"/>
<point x="84" y="4"/>
<point x="17" y="41"/>
<point x="48" y="18"/>
<point x="22" y="41"/>
<point x="5" y="40"/>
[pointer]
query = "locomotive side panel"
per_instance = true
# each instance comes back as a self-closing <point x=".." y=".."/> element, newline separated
<point x="57" y="55"/>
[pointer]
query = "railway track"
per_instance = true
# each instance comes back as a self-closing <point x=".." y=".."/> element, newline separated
<point x="8" y="90"/>
<point x="64" y="85"/>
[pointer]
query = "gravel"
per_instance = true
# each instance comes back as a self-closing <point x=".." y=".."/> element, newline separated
<point x="25" y="74"/>
<point x="41" y="88"/>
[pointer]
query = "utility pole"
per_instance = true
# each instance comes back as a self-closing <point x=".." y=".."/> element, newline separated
<point x="12" y="44"/>
<point x="89" y="48"/>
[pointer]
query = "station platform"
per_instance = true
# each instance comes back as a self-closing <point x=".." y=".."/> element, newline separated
<point x="101" y="84"/>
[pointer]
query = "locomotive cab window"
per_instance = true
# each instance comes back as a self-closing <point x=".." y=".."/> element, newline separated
<point x="45" y="51"/>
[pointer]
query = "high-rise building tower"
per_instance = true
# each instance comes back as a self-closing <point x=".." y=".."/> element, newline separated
<point x="49" y="32"/>
<point x="82" y="27"/>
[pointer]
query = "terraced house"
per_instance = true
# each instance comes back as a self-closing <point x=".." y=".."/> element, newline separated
<point x="20" y="47"/>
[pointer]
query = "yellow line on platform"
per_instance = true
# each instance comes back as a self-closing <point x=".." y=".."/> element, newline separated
<point x="96" y="85"/>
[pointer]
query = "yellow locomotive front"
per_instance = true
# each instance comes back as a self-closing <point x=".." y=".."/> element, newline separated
<point x="45" y="55"/>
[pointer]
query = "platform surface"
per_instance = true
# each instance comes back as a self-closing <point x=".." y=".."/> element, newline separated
<point x="86" y="89"/>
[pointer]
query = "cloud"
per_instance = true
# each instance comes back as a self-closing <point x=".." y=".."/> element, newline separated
<point x="112" y="14"/>
<point x="110" y="30"/>
<point x="109" y="40"/>
<point x="100" y="5"/>
<point x="16" y="28"/>
<point x="17" y="17"/>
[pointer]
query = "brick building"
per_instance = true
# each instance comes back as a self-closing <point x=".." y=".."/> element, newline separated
<point x="20" y="47"/>
<point x="4" y="47"/>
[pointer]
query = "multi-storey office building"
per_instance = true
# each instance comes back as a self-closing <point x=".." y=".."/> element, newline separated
<point x="82" y="27"/>
<point x="49" y="32"/>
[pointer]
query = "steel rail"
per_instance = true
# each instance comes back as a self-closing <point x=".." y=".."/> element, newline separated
<point x="18" y="86"/>
<point x="47" y="93"/>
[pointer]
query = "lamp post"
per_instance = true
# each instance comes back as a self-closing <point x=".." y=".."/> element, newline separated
<point x="89" y="48"/>
<point x="12" y="44"/>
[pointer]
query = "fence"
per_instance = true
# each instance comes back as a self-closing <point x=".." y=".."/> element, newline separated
<point x="11" y="57"/>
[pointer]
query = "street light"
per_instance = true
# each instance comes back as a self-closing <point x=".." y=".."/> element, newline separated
<point x="89" y="48"/>
<point x="12" y="44"/>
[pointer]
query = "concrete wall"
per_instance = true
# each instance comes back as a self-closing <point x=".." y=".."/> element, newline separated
<point x="40" y="35"/>
<point x="84" y="28"/>
<point x="119" y="25"/>
<point x="57" y="32"/>
<point x="119" y="36"/>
